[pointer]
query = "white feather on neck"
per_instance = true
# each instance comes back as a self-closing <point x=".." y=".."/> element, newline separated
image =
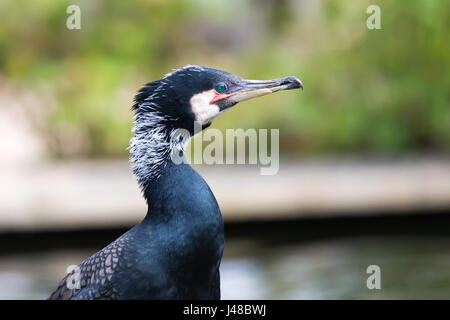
<point x="151" y="145"/>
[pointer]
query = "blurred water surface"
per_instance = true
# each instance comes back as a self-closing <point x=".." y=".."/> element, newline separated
<point x="415" y="267"/>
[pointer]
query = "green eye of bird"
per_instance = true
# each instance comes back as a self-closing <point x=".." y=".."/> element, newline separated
<point x="221" y="87"/>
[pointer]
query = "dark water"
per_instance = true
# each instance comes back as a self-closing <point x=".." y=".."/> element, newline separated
<point x="309" y="264"/>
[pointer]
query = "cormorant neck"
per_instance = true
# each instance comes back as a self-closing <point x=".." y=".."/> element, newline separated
<point x="151" y="148"/>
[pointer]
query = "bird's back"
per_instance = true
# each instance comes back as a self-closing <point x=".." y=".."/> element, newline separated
<point x="98" y="274"/>
<point x="174" y="253"/>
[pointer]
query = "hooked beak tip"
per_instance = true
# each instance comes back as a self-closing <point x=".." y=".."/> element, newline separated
<point x="292" y="83"/>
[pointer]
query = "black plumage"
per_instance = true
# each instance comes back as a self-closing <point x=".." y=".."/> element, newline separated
<point x="175" y="252"/>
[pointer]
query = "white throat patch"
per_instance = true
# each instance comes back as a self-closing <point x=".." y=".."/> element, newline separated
<point x="204" y="112"/>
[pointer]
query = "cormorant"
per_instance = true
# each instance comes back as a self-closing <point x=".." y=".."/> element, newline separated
<point x="175" y="252"/>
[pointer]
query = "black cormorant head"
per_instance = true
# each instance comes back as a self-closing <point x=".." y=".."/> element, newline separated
<point x="182" y="99"/>
<point x="198" y="93"/>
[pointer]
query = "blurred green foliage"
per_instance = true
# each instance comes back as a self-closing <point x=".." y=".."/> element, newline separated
<point x="382" y="92"/>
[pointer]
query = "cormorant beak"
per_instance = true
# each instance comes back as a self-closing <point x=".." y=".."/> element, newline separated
<point x="255" y="88"/>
